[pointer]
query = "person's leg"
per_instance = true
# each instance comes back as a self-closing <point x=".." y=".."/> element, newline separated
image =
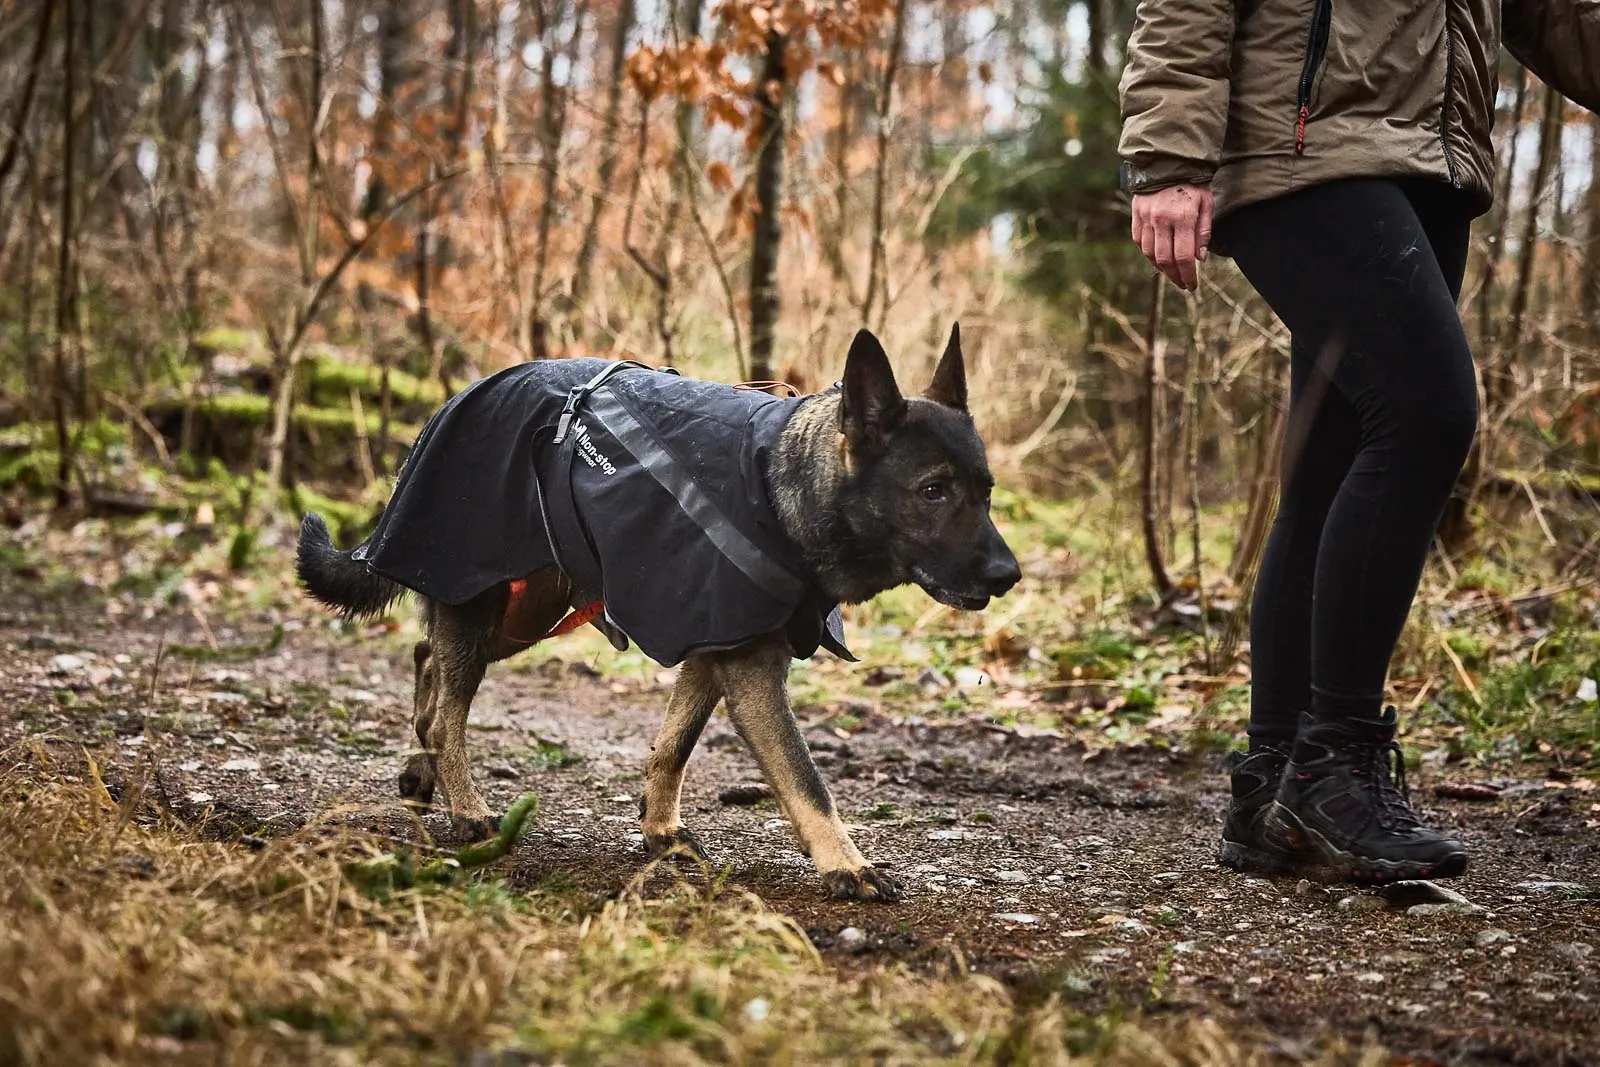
<point x="1321" y="438"/>
<point x="1350" y="267"/>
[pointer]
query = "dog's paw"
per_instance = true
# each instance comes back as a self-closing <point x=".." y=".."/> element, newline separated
<point x="417" y="780"/>
<point x="475" y="829"/>
<point x="681" y="841"/>
<point x="868" y="883"/>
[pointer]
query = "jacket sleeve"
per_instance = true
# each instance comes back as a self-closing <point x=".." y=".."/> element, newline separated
<point x="1559" y="40"/>
<point x="1175" y="92"/>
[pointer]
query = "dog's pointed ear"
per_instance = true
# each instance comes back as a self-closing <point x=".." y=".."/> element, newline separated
<point x="871" y="404"/>
<point x="949" y="385"/>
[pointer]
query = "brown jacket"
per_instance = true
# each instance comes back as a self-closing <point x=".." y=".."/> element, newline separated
<point x="1262" y="97"/>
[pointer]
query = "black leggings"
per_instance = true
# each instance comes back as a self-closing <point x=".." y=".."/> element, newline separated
<point x="1383" y="405"/>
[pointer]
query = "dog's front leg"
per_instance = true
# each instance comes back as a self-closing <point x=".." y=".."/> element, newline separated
<point x="755" y="681"/>
<point x="694" y="698"/>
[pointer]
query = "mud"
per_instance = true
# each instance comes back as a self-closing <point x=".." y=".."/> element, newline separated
<point x="1092" y="879"/>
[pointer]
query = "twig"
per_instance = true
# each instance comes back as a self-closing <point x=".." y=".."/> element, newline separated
<point x="136" y="417"/>
<point x="1461" y="671"/>
<point x="364" y="451"/>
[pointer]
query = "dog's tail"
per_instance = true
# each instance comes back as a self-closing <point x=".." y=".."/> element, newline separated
<point x="335" y="579"/>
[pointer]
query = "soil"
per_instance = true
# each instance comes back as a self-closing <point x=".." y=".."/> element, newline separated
<point x="1090" y="878"/>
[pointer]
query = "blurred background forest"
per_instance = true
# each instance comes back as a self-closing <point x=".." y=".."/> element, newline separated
<point x="252" y="244"/>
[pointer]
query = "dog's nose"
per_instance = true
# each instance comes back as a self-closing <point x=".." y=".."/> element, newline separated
<point x="1000" y="573"/>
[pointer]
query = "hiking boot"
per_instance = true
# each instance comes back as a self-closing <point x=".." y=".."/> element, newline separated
<point x="1255" y="777"/>
<point x="1346" y="796"/>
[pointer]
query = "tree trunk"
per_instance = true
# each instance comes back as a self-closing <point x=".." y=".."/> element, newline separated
<point x="578" y="298"/>
<point x="1590" y="277"/>
<point x="552" y="126"/>
<point x="66" y="269"/>
<point x="1096" y="44"/>
<point x="19" y="121"/>
<point x="768" y="223"/>
<point x="875" y="265"/>
<point x="1455" y="527"/>
<point x="1151" y="522"/>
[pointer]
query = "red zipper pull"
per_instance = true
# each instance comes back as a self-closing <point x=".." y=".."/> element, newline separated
<point x="1300" y="130"/>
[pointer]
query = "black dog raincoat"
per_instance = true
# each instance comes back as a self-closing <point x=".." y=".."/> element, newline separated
<point x="644" y="487"/>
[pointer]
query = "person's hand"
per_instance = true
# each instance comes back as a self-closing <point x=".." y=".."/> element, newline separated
<point x="1173" y="227"/>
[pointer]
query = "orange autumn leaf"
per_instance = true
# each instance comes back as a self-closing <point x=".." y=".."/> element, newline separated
<point x="720" y="175"/>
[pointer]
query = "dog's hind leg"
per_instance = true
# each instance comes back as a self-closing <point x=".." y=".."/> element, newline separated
<point x="755" y="681"/>
<point x="421" y="770"/>
<point x="459" y="640"/>
<point x="694" y="698"/>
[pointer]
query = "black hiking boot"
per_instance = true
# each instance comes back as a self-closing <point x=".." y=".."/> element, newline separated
<point x="1348" y="799"/>
<point x="1255" y="777"/>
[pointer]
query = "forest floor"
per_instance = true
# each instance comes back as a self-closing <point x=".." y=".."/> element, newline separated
<point x="185" y="773"/>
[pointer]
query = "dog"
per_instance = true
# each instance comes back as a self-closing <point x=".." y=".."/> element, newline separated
<point x="845" y="494"/>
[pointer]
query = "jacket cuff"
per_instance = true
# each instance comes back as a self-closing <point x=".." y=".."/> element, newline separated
<point x="1134" y="180"/>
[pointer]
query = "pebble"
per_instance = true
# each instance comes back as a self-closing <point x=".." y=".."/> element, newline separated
<point x="65" y="663"/>
<point x="1169" y="876"/>
<point x="1309" y="890"/>
<point x="757" y="1010"/>
<point x="971" y="678"/>
<point x="852" y="939"/>
<point x="931" y="681"/>
<point x="1552" y="887"/>
<point x="1423" y="911"/>
<point x="1492" y="936"/>
<point x="1013" y="876"/>
<point x="1575" y="950"/>
<point x="242" y="764"/>
<point x="190" y="767"/>
<point x="1361" y="902"/>
<point x="745" y="793"/>
<point x="504" y="771"/>
<point x="1370" y="977"/>
<point x="1017" y="917"/>
<point x="950" y="835"/>
<point x="1408" y="893"/>
<point x="1131" y="928"/>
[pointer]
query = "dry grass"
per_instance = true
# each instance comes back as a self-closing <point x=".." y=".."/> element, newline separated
<point x="126" y="937"/>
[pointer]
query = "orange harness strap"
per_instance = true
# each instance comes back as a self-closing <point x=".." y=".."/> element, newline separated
<point x="575" y="618"/>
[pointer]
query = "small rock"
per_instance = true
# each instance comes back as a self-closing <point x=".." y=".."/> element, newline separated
<point x="1131" y="928"/>
<point x="1577" y="951"/>
<point x="932" y="681"/>
<point x="242" y="764"/>
<point x="199" y="798"/>
<point x="757" y="1010"/>
<point x="852" y="940"/>
<point x="1309" y="890"/>
<point x="1492" y="936"/>
<point x="1408" y="893"/>
<point x="950" y="835"/>
<point x="882" y="676"/>
<point x="65" y="663"/>
<point x="504" y="771"/>
<point x="747" y="793"/>
<point x="1013" y="876"/>
<point x="189" y="767"/>
<point x="1370" y="977"/>
<point x="1169" y="876"/>
<point x="971" y="678"/>
<point x="1552" y="887"/>
<point x="1017" y="917"/>
<point x="1589" y="691"/>
<point x="1360" y="902"/>
<point x="1423" y="911"/>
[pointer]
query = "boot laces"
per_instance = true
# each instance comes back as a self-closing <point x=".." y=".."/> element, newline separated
<point x="1382" y="767"/>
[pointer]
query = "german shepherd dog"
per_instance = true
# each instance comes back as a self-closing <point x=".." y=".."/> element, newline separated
<point x="875" y="489"/>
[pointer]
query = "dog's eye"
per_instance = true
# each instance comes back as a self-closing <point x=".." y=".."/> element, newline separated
<point x="933" y="492"/>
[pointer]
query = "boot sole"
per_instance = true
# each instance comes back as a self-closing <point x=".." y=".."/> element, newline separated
<point x="1284" y="829"/>
<point x="1247" y="860"/>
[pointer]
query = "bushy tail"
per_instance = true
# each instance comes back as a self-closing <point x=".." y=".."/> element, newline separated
<point x="334" y="579"/>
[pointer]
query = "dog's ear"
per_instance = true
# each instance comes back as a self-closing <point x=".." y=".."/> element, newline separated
<point x="871" y="404"/>
<point x="950" y="377"/>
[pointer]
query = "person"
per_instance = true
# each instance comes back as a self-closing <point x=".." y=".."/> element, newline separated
<point x="1338" y="153"/>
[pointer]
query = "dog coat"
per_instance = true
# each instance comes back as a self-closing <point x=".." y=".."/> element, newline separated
<point x="644" y="487"/>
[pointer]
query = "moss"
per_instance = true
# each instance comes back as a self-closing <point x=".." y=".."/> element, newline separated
<point x="328" y="384"/>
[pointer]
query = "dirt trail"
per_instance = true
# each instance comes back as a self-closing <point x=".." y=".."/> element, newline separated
<point x="1092" y="879"/>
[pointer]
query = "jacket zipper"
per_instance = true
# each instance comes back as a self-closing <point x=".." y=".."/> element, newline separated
<point x="1445" y="105"/>
<point x="1316" y="46"/>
